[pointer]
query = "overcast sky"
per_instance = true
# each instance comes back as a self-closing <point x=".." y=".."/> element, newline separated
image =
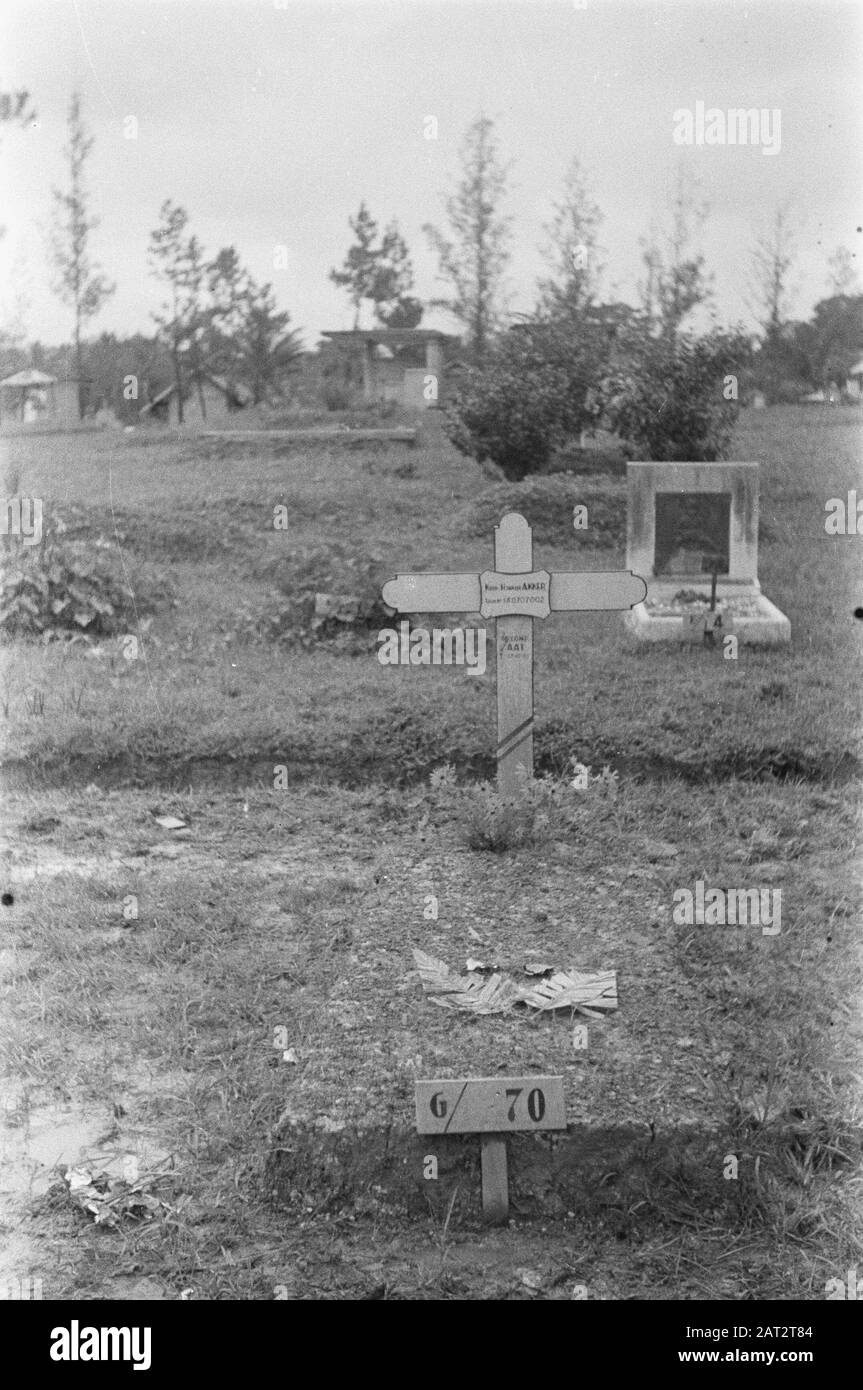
<point x="269" y="120"/>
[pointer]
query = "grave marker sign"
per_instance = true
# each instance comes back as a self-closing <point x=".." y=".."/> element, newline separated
<point x="514" y="595"/>
<point x="492" y="1107"/>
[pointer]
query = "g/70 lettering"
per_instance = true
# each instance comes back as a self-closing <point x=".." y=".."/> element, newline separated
<point x="535" y="1104"/>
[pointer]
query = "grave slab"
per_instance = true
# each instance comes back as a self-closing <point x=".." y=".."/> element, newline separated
<point x="685" y="523"/>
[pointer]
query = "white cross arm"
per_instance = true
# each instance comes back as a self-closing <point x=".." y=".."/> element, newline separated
<point x="596" y="589"/>
<point x="433" y="593"/>
<point x="462" y="593"/>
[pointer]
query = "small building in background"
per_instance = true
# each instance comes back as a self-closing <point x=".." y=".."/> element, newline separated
<point x="404" y="365"/>
<point x="214" y="405"/>
<point x="33" y="399"/>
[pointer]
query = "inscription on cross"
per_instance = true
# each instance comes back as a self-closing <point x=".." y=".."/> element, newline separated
<point x="514" y="595"/>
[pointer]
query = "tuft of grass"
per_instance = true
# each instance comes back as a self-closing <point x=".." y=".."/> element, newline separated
<point x="547" y="807"/>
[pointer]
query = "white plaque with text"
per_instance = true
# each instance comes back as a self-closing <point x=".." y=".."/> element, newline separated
<point x="508" y="595"/>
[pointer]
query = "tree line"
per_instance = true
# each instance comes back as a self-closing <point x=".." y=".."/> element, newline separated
<point x="216" y="319"/>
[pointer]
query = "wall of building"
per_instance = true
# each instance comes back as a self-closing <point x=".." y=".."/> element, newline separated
<point x="414" y="390"/>
<point x="392" y="381"/>
<point x="217" y="417"/>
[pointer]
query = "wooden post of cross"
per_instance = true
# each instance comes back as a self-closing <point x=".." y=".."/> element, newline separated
<point x="513" y="554"/>
<point x="514" y="594"/>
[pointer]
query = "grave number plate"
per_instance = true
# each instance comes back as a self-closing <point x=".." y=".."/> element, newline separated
<point x="490" y="1105"/>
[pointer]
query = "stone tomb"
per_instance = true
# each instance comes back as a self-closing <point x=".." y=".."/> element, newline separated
<point x="685" y="522"/>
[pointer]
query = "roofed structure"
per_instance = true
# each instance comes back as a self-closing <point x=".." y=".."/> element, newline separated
<point x="29" y="377"/>
<point x="406" y="365"/>
<point x="31" y="397"/>
<point x="219" y="396"/>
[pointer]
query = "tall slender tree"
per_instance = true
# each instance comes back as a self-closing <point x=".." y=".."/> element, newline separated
<point x="772" y="260"/>
<point x="843" y="272"/>
<point x="177" y="260"/>
<point x="248" y="339"/>
<point x="571" y="249"/>
<point x="676" y="280"/>
<point x="379" y="271"/>
<point x="228" y="284"/>
<point x="474" y="256"/>
<point x="79" y="281"/>
<point x="15" y="111"/>
<point x="269" y="347"/>
<point x="360" y="265"/>
<point x="395" y="307"/>
<point x="193" y="280"/>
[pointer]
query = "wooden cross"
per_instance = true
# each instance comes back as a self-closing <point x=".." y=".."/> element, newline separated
<point x="514" y="594"/>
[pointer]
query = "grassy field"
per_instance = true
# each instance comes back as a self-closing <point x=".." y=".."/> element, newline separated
<point x="146" y="971"/>
<point x="199" y="514"/>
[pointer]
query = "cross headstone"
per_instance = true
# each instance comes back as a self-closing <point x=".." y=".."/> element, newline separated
<point x="514" y="595"/>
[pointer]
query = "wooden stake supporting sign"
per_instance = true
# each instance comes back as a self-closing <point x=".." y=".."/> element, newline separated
<point x="514" y="595"/>
<point x="491" y="1106"/>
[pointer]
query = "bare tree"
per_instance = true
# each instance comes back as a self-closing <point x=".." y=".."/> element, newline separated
<point x="843" y="272"/>
<point x="193" y="280"/>
<point x="14" y="111"/>
<point x="676" y="280"/>
<point x="229" y="285"/>
<point x="571" y="249"/>
<point x="772" y="260"/>
<point x="177" y="260"/>
<point x="475" y="259"/>
<point x="79" y="281"/>
<point x="184" y="321"/>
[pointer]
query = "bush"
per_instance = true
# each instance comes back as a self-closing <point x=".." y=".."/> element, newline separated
<point x="670" y="400"/>
<point x="333" y="596"/>
<point x="63" y="586"/>
<point x="338" y="396"/>
<point x="547" y="503"/>
<point x="539" y="389"/>
<point x="785" y="392"/>
<point x="574" y="459"/>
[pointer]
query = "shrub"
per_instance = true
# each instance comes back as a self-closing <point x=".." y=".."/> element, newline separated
<point x="572" y="458"/>
<point x="787" y="392"/>
<point x="539" y="389"/>
<point x="338" y="396"/>
<point x="333" y="596"/>
<point x="547" y="503"/>
<point x="63" y="585"/>
<point x="669" y="396"/>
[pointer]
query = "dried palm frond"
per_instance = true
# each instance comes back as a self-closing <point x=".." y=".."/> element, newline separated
<point x="566" y="989"/>
<point x="571" y="989"/>
<point x="450" y="991"/>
